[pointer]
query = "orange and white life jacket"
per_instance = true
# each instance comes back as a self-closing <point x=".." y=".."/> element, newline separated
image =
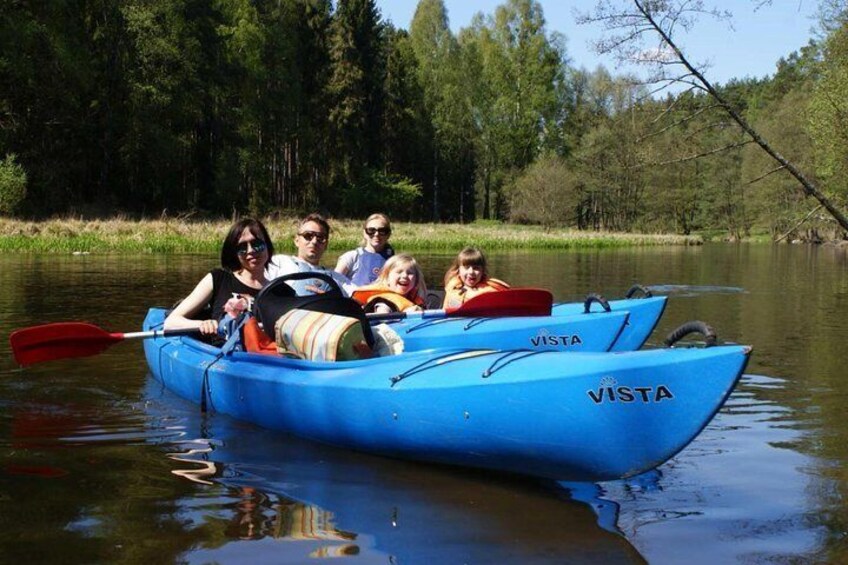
<point x="368" y="295"/>
<point x="456" y="293"/>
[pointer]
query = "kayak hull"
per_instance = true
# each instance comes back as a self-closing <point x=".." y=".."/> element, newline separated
<point x="566" y="416"/>
<point x="644" y="314"/>
<point x="597" y="331"/>
<point x="625" y="327"/>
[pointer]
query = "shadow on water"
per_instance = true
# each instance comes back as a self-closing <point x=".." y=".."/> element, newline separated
<point x="298" y="499"/>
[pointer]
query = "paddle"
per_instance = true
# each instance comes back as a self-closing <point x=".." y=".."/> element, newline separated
<point x="505" y="303"/>
<point x="64" y="340"/>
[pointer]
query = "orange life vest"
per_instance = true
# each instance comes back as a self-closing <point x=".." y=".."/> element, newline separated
<point x="457" y="293"/>
<point x="255" y="340"/>
<point x="366" y="295"/>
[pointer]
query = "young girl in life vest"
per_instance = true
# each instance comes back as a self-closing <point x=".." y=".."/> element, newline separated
<point x="399" y="287"/>
<point x="468" y="277"/>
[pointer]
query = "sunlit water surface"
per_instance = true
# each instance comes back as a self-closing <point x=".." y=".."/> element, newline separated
<point x="99" y="464"/>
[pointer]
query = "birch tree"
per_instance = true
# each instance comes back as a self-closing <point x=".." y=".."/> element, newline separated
<point x="645" y="32"/>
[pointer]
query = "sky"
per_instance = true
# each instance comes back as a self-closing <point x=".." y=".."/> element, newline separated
<point x="751" y="48"/>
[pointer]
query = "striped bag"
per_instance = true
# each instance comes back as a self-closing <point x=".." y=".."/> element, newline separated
<point x="317" y="336"/>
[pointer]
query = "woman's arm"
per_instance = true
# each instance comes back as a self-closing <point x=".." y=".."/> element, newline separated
<point x="344" y="265"/>
<point x="179" y="318"/>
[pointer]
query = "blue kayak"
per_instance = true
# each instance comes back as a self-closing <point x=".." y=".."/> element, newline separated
<point x="644" y="314"/>
<point x="597" y="331"/>
<point x="621" y="325"/>
<point x="561" y="415"/>
<point x="519" y="318"/>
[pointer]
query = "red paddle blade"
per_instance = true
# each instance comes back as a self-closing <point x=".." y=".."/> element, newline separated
<point x="61" y="340"/>
<point x="509" y="302"/>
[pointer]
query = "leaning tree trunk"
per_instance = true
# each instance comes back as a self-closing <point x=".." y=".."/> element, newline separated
<point x="810" y="189"/>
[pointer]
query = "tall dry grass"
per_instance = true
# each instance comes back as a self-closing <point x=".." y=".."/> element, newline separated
<point x="179" y="235"/>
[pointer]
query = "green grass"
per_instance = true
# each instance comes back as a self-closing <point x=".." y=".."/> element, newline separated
<point x="180" y="236"/>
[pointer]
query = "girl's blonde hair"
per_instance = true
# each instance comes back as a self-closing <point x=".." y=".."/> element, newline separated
<point x="403" y="260"/>
<point x="466" y="257"/>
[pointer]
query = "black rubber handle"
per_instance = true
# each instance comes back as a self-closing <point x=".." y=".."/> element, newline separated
<point x="587" y="305"/>
<point x="689" y="328"/>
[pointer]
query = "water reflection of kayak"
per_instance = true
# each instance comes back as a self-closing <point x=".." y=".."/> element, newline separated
<point x="560" y="415"/>
<point x="300" y="499"/>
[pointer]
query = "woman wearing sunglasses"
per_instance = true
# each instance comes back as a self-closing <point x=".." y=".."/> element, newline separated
<point x="245" y="256"/>
<point x="311" y="239"/>
<point x="363" y="264"/>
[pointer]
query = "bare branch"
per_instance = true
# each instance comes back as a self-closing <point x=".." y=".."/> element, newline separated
<point x="713" y="125"/>
<point x="797" y="225"/>
<point x="761" y="177"/>
<point x="679" y="122"/>
<point x="693" y="157"/>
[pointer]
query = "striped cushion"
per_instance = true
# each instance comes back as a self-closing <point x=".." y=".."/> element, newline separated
<point x="318" y="336"/>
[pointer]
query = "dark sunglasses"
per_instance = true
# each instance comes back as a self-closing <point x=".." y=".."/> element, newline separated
<point x="257" y="245"/>
<point x="310" y="235"/>
<point x="381" y="231"/>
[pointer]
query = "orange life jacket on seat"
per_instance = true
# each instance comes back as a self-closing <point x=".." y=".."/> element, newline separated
<point x="457" y="293"/>
<point x="257" y="341"/>
<point x="370" y="295"/>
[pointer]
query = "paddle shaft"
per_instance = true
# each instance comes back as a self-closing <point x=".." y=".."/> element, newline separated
<point x="156" y="333"/>
<point x="64" y="340"/>
<point x="438" y="313"/>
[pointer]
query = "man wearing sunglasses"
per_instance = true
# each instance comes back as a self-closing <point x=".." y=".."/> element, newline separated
<point x="311" y="240"/>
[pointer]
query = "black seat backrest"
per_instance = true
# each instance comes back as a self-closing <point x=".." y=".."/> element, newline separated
<point x="435" y="299"/>
<point x="278" y="298"/>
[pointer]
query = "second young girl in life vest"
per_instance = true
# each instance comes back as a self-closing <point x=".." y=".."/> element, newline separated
<point x="468" y="277"/>
<point x="399" y="287"/>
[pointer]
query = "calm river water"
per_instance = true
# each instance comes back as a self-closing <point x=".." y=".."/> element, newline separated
<point x="99" y="464"/>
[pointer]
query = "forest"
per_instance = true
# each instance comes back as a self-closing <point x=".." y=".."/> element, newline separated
<point x="218" y="108"/>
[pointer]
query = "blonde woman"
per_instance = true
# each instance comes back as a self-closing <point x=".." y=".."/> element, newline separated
<point x="363" y="264"/>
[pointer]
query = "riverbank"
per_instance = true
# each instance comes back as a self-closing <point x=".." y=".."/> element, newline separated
<point x="173" y="235"/>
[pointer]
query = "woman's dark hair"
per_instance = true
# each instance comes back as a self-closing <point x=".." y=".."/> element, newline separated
<point x="229" y="251"/>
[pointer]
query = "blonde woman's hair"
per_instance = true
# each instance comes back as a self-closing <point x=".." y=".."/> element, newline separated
<point x="468" y="256"/>
<point x="403" y="259"/>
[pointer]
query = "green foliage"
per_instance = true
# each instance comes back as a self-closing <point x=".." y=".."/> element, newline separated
<point x="517" y="101"/>
<point x="355" y="88"/>
<point x="407" y="131"/>
<point x="546" y="193"/>
<point x="234" y="106"/>
<point x="777" y="201"/>
<point x="376" y="190"/>
<point x="13" y="185"/>
<point x="828" y="115"/>
<point x="448" y="101"/>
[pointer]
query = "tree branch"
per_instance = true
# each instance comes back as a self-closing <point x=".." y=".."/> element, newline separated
<point x="761" y="177"/>
<point x="693" y="157"/>
<point x="795" y="227"/>
<point x="679" y="122"/>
